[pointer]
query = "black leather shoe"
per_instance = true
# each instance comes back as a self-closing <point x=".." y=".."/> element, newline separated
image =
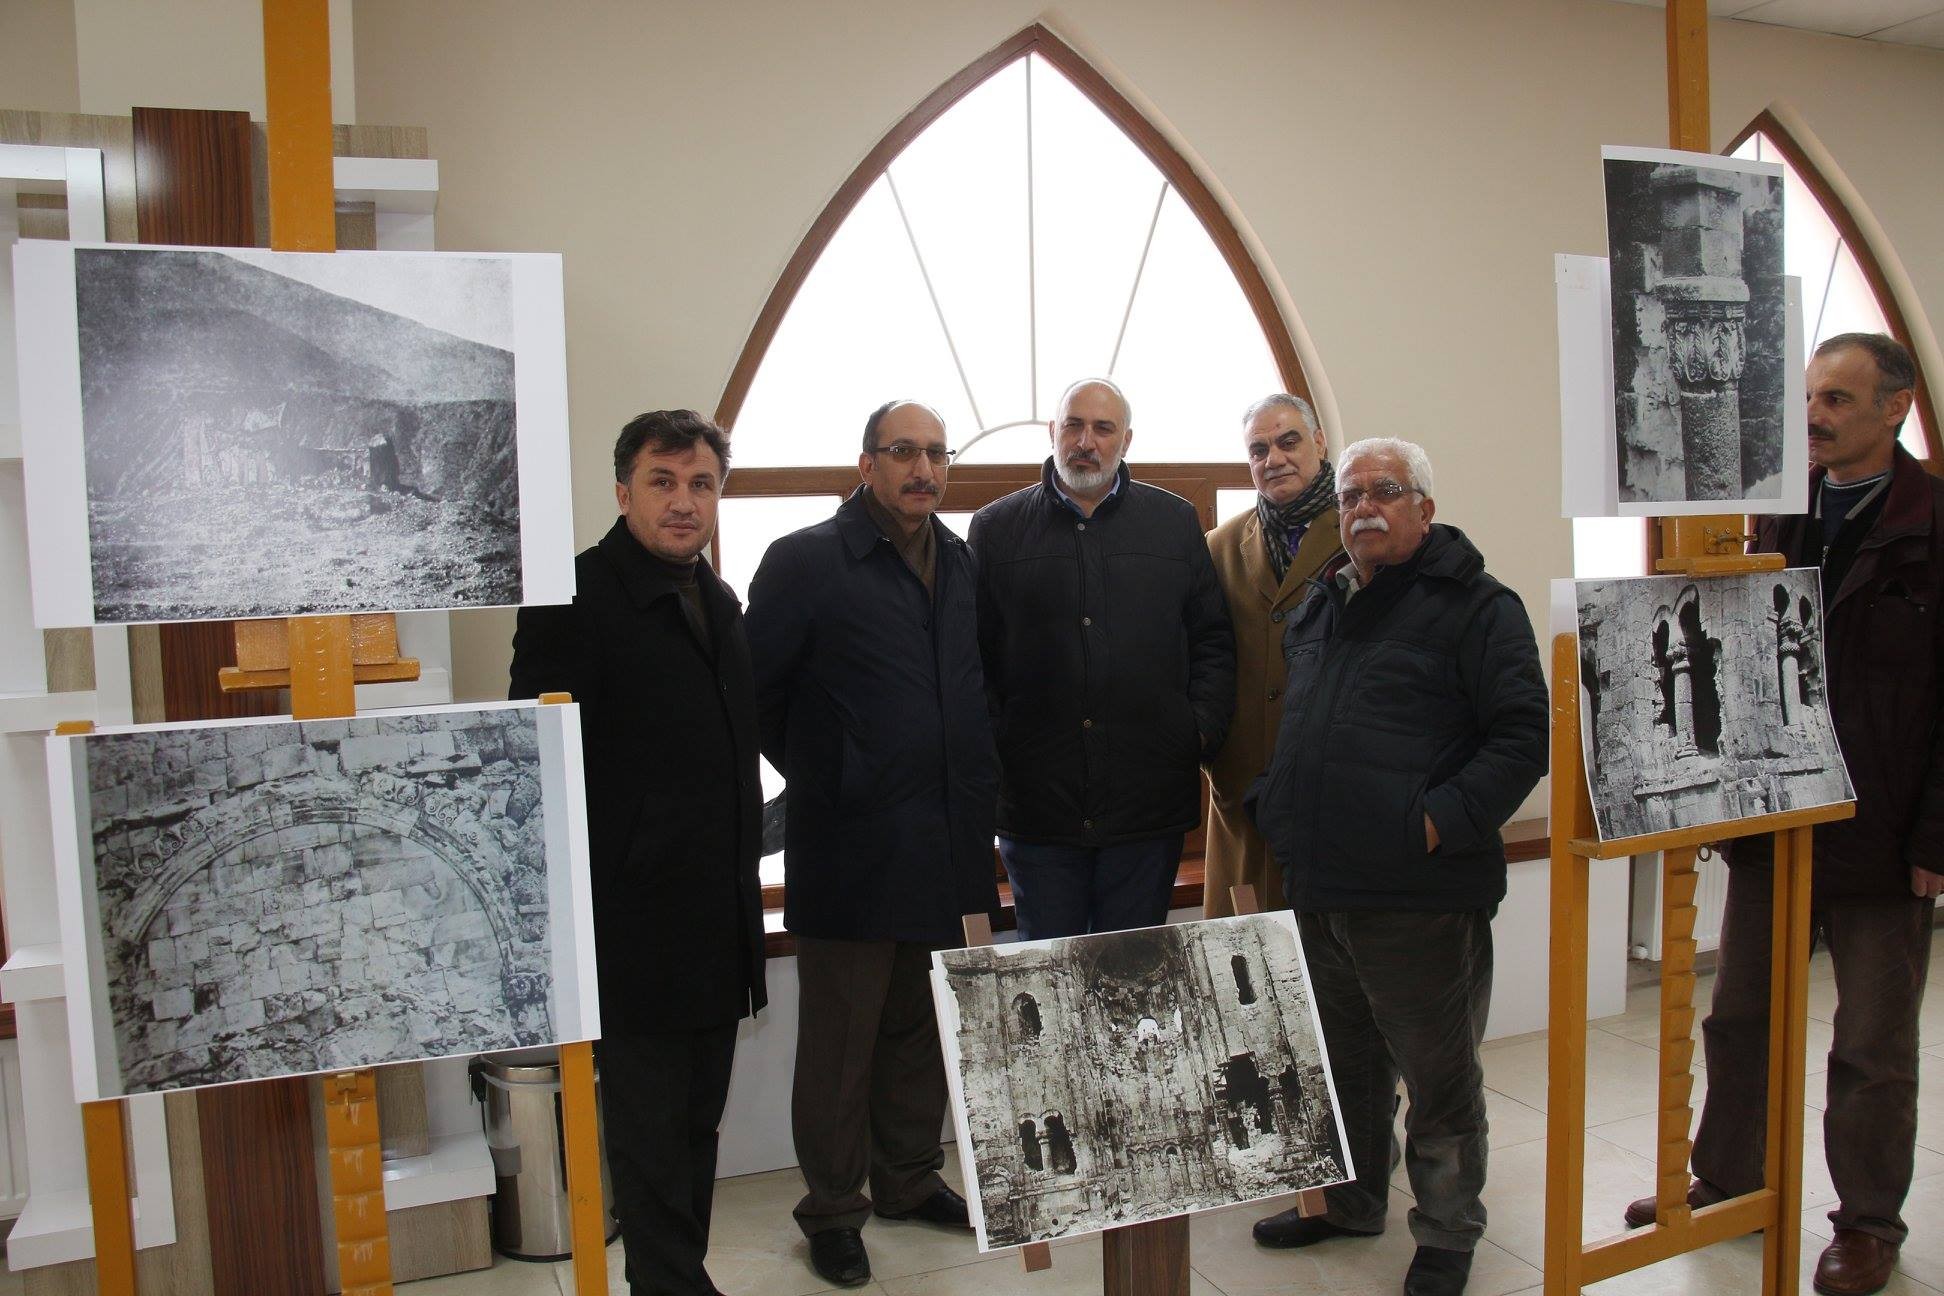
<point x="1437" y="1271"/>
<point x="838" y="1256"/>
<point x="1289" y="1229"/>
<point x="942" y="1207"/>
<point x="1641" y="1213"/>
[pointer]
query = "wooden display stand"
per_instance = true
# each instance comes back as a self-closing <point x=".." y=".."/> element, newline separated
<point x="321" y="659"/>
<point x="1150" y="1258"/>
<point x="1701" y="547"/>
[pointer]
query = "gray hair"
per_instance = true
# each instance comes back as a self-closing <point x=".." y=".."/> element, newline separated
<point x="1281" y="400"/>
<point x="1127" y="406"/>
<point x="1896" y="371"/>
<point x="1416" y="462"/>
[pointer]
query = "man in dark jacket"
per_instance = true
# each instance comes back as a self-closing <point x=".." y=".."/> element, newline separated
<point x="1876" y="528"/>
<point x="1414" y="724"/>
<point x="1111" y="668"/>
<point x="873" y="707"/>
<point x="652" y="648"/>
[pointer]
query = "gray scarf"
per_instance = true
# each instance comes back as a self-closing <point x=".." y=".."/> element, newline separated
<point x="1283" y="525"/>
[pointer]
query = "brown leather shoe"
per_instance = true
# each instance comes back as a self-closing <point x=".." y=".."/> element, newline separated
<point x="1640" y="1213"/>
<point x="1855" y="1264"/>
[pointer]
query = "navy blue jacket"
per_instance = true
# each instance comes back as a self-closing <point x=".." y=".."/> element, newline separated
<point x="872" y="703"/>
<point x="1110" y="661"/>
<point x="1420" y="695"/>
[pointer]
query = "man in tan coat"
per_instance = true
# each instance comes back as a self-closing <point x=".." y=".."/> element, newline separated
<point x="1264" y="559"/>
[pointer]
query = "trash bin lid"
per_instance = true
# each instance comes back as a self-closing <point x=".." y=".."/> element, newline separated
<point x="523" y="1066"/>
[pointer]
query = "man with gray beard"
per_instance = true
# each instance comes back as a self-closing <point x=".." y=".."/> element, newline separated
<point x="1110" y="670"/>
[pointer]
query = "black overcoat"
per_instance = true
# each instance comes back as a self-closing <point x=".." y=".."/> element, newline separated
<point x="873" y="707"/>
<point x="1109" y="659"/>
<point x="674" y="796"/>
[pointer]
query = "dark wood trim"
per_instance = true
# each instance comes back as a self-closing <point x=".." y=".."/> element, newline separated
<point x="1776" y="133"/>
<point x="1525" y="840"/>
<point x="1036" y="39"/>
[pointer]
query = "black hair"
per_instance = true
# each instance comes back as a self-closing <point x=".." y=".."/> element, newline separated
<point x="667" y="431"/>
<point x="1896" y="371"/>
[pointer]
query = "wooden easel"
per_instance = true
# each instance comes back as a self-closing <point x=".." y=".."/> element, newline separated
<point x="1149" y="1258"/>
<point x="321" y="659"/>
<point x="1701" y="547"/>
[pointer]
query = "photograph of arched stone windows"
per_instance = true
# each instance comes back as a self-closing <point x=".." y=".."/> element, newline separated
<point x="1127" y="1076"/>
<point x="270" y="899"/>
<point x="1705" y="700"/>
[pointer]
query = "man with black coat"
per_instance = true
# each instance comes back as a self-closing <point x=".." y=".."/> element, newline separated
<point x="652" y="648"/>
<point x="872" y="705"/>
<point x="1110" y="663"/>
<point x="1414" y="724"/>
<point x="1876" y="528"/>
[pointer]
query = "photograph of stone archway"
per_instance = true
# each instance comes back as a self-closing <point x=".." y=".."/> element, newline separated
<point x="284" y="898"/>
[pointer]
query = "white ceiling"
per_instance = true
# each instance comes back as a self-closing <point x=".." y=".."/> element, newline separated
<point x="1902" y="22"/>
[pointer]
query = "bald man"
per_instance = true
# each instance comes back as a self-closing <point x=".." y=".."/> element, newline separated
<point x="872" y="704"/>
<point x="1111" y="667"/>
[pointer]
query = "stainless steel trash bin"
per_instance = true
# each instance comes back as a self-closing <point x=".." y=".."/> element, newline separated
<point x="519" y="1097"/>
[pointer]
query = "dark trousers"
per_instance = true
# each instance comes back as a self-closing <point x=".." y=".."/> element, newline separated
<point x="661" y="1102"/>
<point x="1881" y="956"/>
<point x="868" y="1100"/>
<point x="1406" y="994"/>
<point x="1074" y="890"/>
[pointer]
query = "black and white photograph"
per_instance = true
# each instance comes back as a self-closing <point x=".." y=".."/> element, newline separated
<point x="1701" y="354"/>
<point x="233" y="432"/>
<point x="269" y="899"/>
<point x="1104" y="1080"/>
<point x="1705" y="701"/>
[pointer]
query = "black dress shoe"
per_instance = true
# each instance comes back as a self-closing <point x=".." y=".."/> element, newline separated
<point x="1437" y="1271"/>
<point x="942" y="1207"/>
<point x="1289" y="1229"/>
<point x="838" y="1256"/>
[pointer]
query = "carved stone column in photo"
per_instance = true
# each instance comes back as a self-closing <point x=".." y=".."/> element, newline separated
<point x="1789" y="651"/>
<point x="1681" y="667"/>
<point x="1706" y="305"/>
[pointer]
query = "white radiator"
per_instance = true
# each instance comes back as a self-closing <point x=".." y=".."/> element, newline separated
<point x="13" y="1152"/>
<point x="1710" y="902"/>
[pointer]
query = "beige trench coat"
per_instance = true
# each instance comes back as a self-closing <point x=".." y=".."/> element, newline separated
<point x="1257" y="606"/>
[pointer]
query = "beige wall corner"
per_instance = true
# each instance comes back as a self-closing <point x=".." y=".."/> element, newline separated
<point x="37" y="59"/>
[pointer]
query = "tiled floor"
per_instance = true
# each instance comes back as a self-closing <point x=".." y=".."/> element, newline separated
<point x="756" y="1250"/>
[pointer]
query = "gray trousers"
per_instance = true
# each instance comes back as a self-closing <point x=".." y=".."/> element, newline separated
<point x="1405" y="994"/>
<point x="868" y="1100"/>
<point x="1880" y="953"/>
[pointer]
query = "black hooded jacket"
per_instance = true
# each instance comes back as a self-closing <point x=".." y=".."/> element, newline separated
<point x="1420" y="695"/>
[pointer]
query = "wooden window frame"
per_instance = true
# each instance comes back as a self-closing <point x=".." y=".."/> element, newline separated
<point x="1766" y="125"/>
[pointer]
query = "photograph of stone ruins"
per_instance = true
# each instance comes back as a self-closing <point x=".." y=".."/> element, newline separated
<point x="1699" y="330"/>
<point x="1133" y="1075"/>
<point x="259" y="446"/>
<point x="1705" y="700"/>
<point x="278" y="899"/>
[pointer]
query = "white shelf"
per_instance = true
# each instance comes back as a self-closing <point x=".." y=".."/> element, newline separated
<point x="458" y="1167"/>
<point x="393" y="184"/>
<point x="57" y="1227"/>
<point x="40" y="712"/>
<point x="433" y="687"/>
<point x="33" y="972"/>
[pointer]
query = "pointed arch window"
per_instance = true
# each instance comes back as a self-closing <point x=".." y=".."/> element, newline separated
<point x="1844" y="289"/>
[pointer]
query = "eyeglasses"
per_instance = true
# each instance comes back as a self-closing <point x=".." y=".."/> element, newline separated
<point x="903" y="452"/>
<point x="1384" y="492"/>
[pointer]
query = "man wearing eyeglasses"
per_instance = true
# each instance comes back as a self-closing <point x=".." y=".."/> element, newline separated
<point x="1111" y="667"/>
<point x="871" y="702"/>
<point x="1264" y="559"/>
<point x="1413" y="726"/>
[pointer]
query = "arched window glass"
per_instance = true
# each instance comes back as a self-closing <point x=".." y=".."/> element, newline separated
<point x="1020" y="240"/>
<point x="1835" y="267"/>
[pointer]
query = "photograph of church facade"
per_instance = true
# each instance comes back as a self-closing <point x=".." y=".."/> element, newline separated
<point x="1705" y="700"/>
<point x="1108" y="1079"/>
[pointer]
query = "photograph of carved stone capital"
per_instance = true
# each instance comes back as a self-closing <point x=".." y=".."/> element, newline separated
<point x="234" y="432"/>
<point x="246" y="899"/>
<point x="1705" y="700"/>
<point x="1103" y="1080"/>
<point x="1699" y="318"/>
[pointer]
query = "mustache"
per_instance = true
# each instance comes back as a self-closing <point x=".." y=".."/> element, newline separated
<point x="919" y="488"/>
<point x="1362" y="524"/>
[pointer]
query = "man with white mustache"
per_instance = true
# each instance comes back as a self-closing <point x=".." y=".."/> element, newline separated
<point x="1264" y="559"/>
<point x="1111" y="669"/>
<point x="871" y="702"/>
<point x="1414" y="724"/>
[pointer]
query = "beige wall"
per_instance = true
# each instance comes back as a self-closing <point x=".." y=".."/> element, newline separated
<point x="1407" y="170"/>
<point x="37" y="66"/>
<point x="187" y="54"/>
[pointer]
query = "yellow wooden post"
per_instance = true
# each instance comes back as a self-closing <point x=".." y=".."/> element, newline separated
<point x="1566" y="1001"/>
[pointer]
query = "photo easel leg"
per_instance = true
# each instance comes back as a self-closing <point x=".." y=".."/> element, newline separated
<point x="111" y="1190"/>
<point x="357" y="1183"/>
